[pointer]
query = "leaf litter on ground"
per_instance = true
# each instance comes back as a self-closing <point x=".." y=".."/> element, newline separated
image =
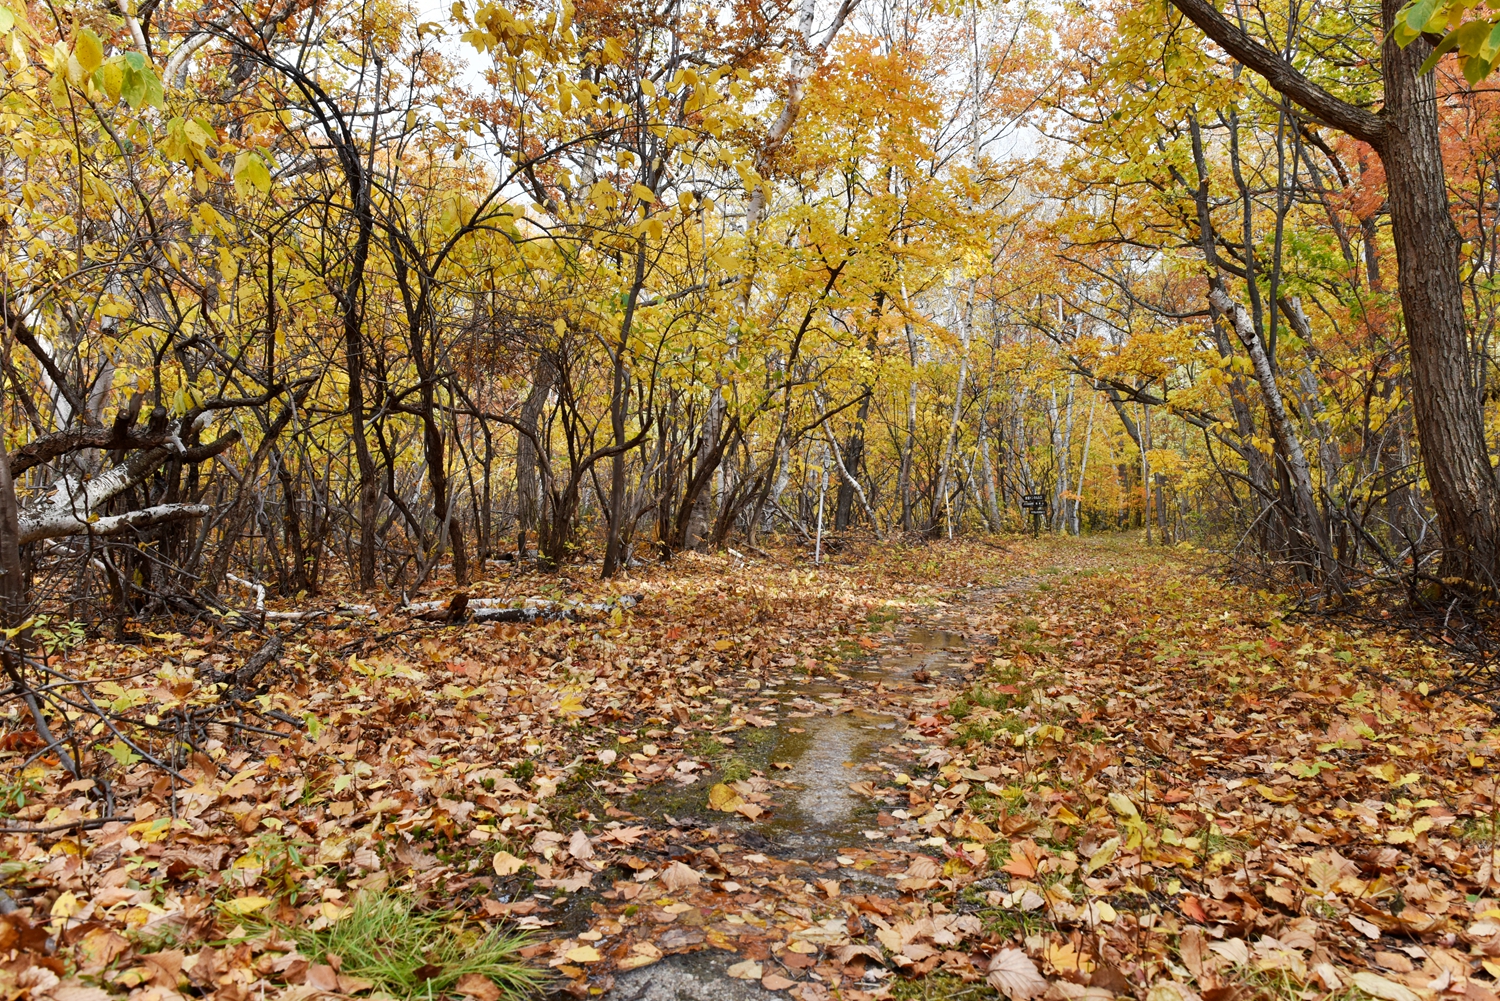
<point x="1139" y="782"/>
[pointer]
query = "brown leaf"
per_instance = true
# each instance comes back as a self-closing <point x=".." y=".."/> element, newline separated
<point x="354" y="985"/>
<point x="923" y="867"/>
<point x="678" y="875"/>
<point x="478" y="987"/>
<point x="579" y="846"/>
<point x="78" y="992"/>
<point x="1193" y="947"/>
<point x="1013" y="974"/>
<point x="1024" y="856"/>
<point x="166" y="967"/>
<point x="321" y="976"/>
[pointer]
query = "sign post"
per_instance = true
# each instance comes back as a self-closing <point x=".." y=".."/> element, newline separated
<point x="1036" y="506"/>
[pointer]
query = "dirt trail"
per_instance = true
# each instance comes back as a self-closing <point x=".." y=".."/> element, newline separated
<point x="819" y="828"/>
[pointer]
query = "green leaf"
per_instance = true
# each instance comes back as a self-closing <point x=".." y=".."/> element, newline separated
<point x="251" y="170"/>
<point x="88" y="50"/>
<point x="1444" y="47"/>
<point x="123" y="755"/>
<point x="154" y="95"/>
<point x="1418" y="14"/>
<point x="7" y="19"/>
<point x="1471" y="37"/>
<point x="132" y="87"/>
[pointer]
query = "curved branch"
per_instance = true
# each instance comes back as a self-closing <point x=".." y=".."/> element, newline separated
<point x="1283" y="76"/>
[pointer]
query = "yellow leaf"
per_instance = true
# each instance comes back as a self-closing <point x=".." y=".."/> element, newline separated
<point x="66" y="905"/>
<point x="251" y="169"/>
<point x="506" y="864"/>
<point x="582" y="954"/>
<point x="1274" y="796"/>
<point x="1103" y="856"/>
<point x="1123" y="806"/>
<point x="722" y="645"/>
<point x="88" y="50"/>
<point x="643" y="193"/>
<point x="721" y="797"/>
<point x="244" y="905"/>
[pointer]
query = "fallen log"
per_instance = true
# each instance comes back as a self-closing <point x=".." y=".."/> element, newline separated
<point x="244" y="676"/>
<point x="353" y="611"/>
<point x="504" y="610"/>
<point x="455" y="610"/>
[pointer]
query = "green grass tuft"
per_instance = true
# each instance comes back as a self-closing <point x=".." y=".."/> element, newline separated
<point x="412" y="955"/>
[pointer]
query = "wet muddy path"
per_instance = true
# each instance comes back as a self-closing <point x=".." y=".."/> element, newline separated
<point x="819" y="738"/>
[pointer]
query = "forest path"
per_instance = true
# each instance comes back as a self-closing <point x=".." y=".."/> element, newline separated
<point x="825" y="838"/>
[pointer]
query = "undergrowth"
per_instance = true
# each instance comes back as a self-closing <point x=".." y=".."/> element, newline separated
<point x="409" y="955"/>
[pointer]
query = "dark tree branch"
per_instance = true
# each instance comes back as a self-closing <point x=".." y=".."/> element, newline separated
<point x="1283" y="76"/>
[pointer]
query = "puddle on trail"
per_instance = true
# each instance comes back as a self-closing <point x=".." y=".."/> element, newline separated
<point x="823" y="813"/>
<point x="937" y="639"/>
<point x="818" y="816"/>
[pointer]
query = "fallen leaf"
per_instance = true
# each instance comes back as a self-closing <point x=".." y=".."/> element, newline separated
<point x="678" y="875"/>
<point x="723" y="798"/>
<point x="1387" y="990"/>
<point x="1012" y="973"/>
<point x="579" y="846"/>
<point x="478" y="987"/>
<point x="506" y="864"/>
<point x="240" y="906"/>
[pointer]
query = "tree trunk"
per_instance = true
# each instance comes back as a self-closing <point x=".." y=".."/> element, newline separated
<point x="1446" y="384"/>
<point x="854" y="454"/>
<point x="528" y="458"/>
<point x="437" y="477"/>
<point x="1289" y="445"/>
<point x="12" y="579"/>
<point x="617" y="400"/>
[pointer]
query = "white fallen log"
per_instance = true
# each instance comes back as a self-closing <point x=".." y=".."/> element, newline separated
<point x="432" y="606"/>
<point x="55" y="522"/>
<point x="250" y="585"/>
<point x="624" y="601"/>
<point x="507" y="610"/>
<point x="72" y="506"/>
<point x="351" y="611"/>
